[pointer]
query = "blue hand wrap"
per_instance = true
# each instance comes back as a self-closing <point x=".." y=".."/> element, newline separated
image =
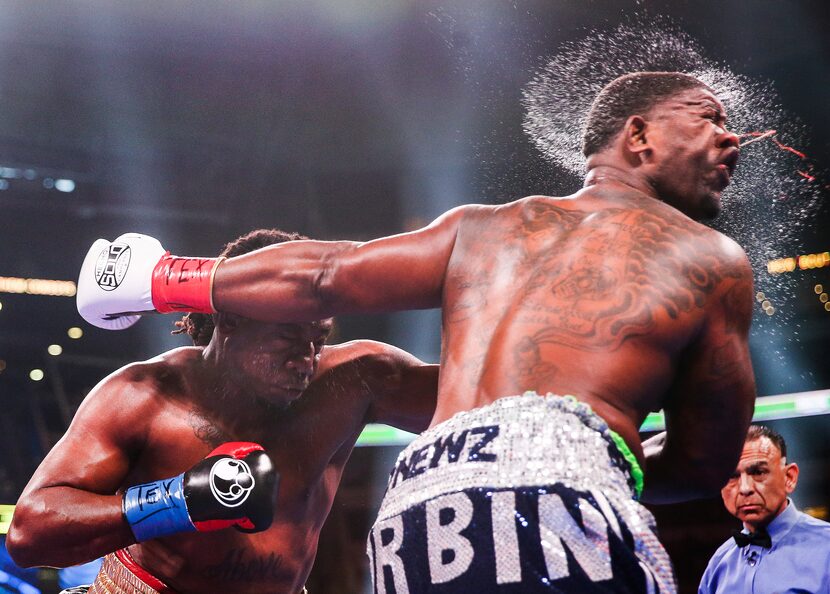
<point x="157" y="509"/>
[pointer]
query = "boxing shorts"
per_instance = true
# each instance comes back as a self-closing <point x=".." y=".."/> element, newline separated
<point x="120" y="574"/>
<point x="527" y="494"/>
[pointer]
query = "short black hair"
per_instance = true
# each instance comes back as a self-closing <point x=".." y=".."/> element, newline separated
<point x="759" y="431"/>
<point x="200" y="326"/>
<point x="635" y="93"/>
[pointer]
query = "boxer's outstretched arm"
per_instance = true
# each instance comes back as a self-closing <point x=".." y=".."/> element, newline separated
<point x="309" y="280"/>
<point x="711" y="403"/>
<point x="69" y="512"/>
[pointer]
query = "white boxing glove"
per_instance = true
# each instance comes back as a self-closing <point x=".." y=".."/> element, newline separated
<point x="116" y="280"/>
<point x="133" y="275"/>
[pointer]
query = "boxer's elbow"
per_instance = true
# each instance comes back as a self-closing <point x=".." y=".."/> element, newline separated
<point x="30" y="542"/>
<point x="671" y="480"/>
<point x="713" y="479"/>
<point x="699" y="485"/>
<point x="708" y="470"/>
<point x="677" y="490"/>
<point x="23" y="542"/>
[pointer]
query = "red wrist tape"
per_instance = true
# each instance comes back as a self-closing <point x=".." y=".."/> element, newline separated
<point x="184" y="284"/>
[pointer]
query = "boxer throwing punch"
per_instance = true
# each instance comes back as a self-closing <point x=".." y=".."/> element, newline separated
<point x="615" y="295"/>
<point x="115" y="481"/>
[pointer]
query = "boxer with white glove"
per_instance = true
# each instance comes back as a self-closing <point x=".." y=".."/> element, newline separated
<point x="274" y="383"/>
<point x="134" y="275"/>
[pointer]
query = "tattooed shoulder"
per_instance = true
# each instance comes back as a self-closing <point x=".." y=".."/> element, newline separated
<point x="612" y="277"/>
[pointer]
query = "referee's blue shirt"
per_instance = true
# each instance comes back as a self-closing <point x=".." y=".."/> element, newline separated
<point x="797" y="563"/>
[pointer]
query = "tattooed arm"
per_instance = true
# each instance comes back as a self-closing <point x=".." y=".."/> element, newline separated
<point x="310" y="280"/>
<point x="711" y="403"/>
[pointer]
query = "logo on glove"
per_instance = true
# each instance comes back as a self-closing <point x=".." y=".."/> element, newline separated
<point x="231" y="481"/>
<point x="112" y="265"/>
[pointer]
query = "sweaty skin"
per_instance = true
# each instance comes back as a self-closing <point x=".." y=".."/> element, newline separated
<point x="614" y="295"/>
<point x="154" y="419"/>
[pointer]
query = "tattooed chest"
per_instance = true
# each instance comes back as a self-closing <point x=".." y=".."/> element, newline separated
<point x="242" y="565"/>
<point x="206" y="430"/>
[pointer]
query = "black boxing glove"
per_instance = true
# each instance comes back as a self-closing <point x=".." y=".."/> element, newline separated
<point x="235" y="485"/>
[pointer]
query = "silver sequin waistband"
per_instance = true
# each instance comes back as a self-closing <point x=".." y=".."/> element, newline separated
<point x="517" y="441"/>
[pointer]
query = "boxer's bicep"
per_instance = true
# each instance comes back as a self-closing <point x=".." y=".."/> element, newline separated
<point x="712" y="400"/>
<point x="707" y="422"/>
<point x="387" y="385"/>
<point x="408" y="400"/>
<point x="309" y="280"/>
<point x="400" y="272"/>
<point x="718" y="388"/>
<point x="94" y="453"/>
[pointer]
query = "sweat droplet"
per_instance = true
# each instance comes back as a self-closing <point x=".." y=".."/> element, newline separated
<point x="771" y="199"/>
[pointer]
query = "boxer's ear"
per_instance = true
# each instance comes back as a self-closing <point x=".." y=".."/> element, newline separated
<point x="634" y="134"/>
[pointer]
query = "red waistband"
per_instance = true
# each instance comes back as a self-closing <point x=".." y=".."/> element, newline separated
<point x="141" y="573"/>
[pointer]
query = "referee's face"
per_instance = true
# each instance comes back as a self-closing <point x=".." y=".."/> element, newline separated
<point x="757" y="491"/>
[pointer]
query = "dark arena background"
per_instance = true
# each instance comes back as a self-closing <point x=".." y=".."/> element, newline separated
<point x="195" y="122"/>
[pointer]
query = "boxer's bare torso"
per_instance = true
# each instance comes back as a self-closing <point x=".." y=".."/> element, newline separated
<point x="601" y="296"/>
<point x="156" y="419"/>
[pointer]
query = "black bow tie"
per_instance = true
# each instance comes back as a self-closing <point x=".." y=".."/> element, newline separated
<point x="760" y="538"/>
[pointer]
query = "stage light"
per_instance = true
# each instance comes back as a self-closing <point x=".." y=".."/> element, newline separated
<point x="37" y="286"/>
<point x="810" y="261"/>
<point x="759" y="296"/>
<point x="781" y="265"/>
<point x="818" y="289"/>
<point x="54" y="350"/>
<point x="1" y="305"/>
<point x="48" y="183"/>
<point x="64" y="185"/>
<point x="803" y="262"/>
<point x="823" y="297"/>
<point x="36" y="375"/>
<point x="74" y="332"/>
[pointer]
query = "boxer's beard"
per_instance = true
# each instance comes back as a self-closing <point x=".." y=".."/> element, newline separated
<point x="236" y="393"/>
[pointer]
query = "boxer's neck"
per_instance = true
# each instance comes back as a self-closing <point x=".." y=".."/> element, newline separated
<point x="608" y="174"/>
